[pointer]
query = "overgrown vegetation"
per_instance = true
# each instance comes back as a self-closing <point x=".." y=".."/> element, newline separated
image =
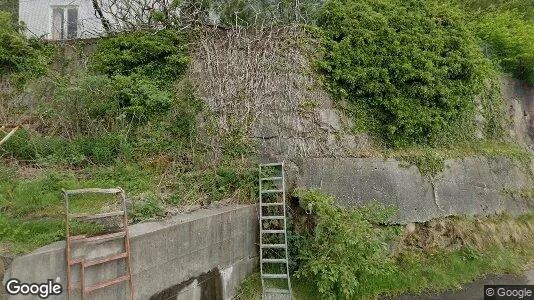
<point x="344" y="249"/>
<point x="20" y="58"/>
<point x="506" y="28"/>
<point x="33" y="210"/>
<point x="345" y="254"/>
<point x="418" y="273"/>
<point x="160" y="56"/>
<point x="410" y="69"/>
<point x="129" y="119"/>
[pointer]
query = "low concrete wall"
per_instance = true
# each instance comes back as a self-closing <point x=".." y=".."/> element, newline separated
<point x="202" y="255"/>
<point x="470" y="186"/>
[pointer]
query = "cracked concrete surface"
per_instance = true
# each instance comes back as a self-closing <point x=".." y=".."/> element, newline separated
<point x="469" y="186"/>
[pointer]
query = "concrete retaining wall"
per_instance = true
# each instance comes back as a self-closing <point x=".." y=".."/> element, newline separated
<point x="470" y="186"/>
<point x="519" y="97"/>
<point x="202" y="255"/>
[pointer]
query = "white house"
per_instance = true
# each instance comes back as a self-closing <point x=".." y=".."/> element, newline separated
<point x="60" y="19"/>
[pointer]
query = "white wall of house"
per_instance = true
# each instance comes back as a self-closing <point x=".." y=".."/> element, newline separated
<point x="59" y="19"/>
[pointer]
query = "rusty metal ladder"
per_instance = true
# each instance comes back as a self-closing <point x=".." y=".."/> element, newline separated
<point x="84" y="264"/>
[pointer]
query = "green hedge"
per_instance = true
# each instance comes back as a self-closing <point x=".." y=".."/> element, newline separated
<point x="410" y="68"/>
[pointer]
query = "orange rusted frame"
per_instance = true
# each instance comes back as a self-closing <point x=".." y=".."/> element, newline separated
<point x="84" y="290"/>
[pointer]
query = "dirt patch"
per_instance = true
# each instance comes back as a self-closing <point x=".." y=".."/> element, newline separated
<point x="29" y="172"/>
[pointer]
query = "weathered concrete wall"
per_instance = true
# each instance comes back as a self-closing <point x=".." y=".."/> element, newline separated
<point x="261" y="83"/>
<point x="470" y="186"/>
<point x="519" y="97"/>
<point x="202" y="255"/>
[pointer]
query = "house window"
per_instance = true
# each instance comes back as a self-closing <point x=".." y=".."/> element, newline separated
<point x="64" y="22"/>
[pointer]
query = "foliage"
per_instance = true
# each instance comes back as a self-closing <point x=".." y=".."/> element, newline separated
<point x="149" y="208"/>
<point x="232" y="180"/>
<point x="430" y="161"/>
<point x="97" y="98"/>
<point x="440" y="271"/>
<point x="82" y="150"/>
<point x="21" y="58"/>
<point x="505" y="27"/>
<point x="510" y="41"/>
<point x="344" y="248"/>
<point x="142" y="67"/>
<point x="12" y="7"/>
<point x="494" y="112"/>
<point x="160" y="56"/>
<point x="31" y="234"/>
<point x="411" y="69"/>
<point x="140" y="98"/>
<point x="241" y="13"/>
<point x="418" y="272"/>
<point x="175" y="130"/>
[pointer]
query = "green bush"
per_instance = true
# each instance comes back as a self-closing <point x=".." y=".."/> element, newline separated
<point x="92" y="103"/>
<point x="21" y="58"/>
<point x="174" y="131"/>
<point x="160" y="55"/>
<point x="83" y="104"/>
<point x="149" y="208"/>
<point x="510" y="40"/>
<point x="410" y="68"/>
<point x="101" y="149"/>
<point x="223" y="182"/>
<point x="345" y="248"/>
<point x="140" y="98"/>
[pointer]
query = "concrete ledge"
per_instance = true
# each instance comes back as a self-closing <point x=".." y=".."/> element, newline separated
<point x="469" y="186"/>
<point x="176" y="252"/>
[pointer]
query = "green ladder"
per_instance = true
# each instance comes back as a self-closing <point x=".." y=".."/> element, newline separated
<point x="274" y="263"/>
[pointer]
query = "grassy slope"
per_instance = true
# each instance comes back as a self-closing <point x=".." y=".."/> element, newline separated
<point x="32" y="208"/>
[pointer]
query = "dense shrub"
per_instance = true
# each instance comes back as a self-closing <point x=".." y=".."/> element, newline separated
<point x="410" y="68"/>
<point x="82" y="150"/>
<point x="80" y="105"/>
<point x="142" y="68"/>
<point x="139" y="97"/>
<point x="160" y="56"/>
<point x="20" y="57"/>
<point x="510" y="41"/>
<point x="505" y="28"/>
<point x="344" y="248"/>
